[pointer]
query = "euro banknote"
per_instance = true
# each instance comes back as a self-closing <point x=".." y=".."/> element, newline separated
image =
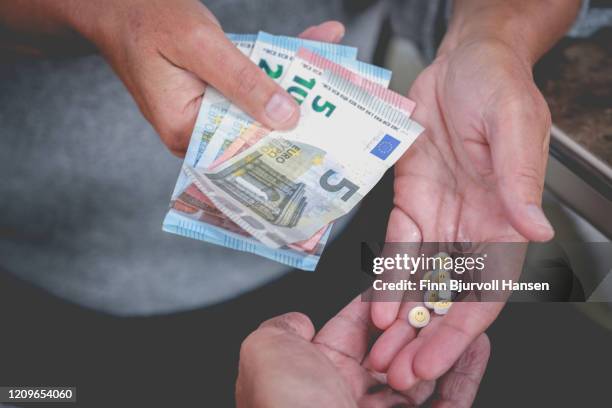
<point x="289" y="185"/>
<point x="194" y="209"/>
<point x="193" y="216"/>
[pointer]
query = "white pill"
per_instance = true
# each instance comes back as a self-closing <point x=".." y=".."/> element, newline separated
<point x="429" y="276"/>
<point x="430" y="297"/>
<point x="445" y="295"/>
<point x="442" y="307"/>
<point x="443" y="277"/>
<point x="418" y="317"/>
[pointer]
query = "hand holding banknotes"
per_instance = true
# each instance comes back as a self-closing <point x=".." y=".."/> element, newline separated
<point x="166" y="53"/>
<point x="285" y="363"/>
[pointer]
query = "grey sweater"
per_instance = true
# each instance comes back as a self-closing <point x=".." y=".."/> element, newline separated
<point x="86" y="182"/>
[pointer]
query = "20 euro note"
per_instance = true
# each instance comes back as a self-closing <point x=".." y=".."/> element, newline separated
<point x="290" y="184"/>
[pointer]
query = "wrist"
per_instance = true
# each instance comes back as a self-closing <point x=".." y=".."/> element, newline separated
<point x="502" y="25"/>
<point x="94" y="20"/>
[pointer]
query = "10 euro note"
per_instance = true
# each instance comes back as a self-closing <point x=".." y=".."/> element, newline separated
<point x="289" y="185"/>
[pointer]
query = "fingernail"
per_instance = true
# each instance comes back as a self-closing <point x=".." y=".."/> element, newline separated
<point x="536" y="216"/>
<point x="340" y="36"/>
<point x="280" y="108"/>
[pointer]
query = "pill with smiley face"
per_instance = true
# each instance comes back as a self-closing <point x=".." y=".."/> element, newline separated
<point x="443" y="276"/>
<point x="430" y="298"/>
<point x="442" y="307"/>
<point x="445" y="261"/>
<point x="419" y="317"/>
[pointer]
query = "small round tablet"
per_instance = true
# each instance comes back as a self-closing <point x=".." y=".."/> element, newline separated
<point x="430" y="297"/>
<point x="445" y="295"/>
<point x="418" y="317"/>
<point x="444" y="256"/>
<point x="428" y="276"/>
<point x="443" y="277"/>
<point x="442" y="307"/>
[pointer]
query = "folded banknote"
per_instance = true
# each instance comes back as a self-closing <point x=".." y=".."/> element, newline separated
<point x="276" y="194"/>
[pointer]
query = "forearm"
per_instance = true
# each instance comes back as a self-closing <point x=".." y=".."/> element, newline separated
<point x="529" y="27"/>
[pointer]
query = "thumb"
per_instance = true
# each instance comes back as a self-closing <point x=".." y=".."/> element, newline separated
<point x="518" y="134"/>
<point x="212" y="57"/>
<point x="291" y="324"/>
<point x="280" y="367"/>
<point x="329" y="31"/>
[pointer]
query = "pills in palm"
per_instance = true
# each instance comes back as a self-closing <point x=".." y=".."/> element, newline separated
<point x="418" y="317"/>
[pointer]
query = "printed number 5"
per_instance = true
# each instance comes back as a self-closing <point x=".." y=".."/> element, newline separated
<point x="316" y="105"/>
<point x="324" y="181"/>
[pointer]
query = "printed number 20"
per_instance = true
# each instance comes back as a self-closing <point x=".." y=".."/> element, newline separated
<point x="274" y="74"/>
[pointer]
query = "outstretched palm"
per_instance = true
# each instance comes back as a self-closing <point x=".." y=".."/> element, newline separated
<point x="284" y="363"/>
<point x="475" y="175"/>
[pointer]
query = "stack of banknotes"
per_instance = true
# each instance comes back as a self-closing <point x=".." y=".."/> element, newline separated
<point x="276" y="194"/>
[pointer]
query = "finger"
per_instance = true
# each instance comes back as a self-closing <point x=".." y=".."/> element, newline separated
<point x="401" y="375"/>
<point x="329" y="31"/>
<point x="389" y="344"/>
<point x="518" y="133"/>
<point x="421" y="392"/>
<point x="392" y="340"/>
<point x="440" y="344"/>
<point x="291" y="323"/>
<point x="348" y="333"/>
<point x="401" y="228"/>
<point x="454" y="333"/>
<point x="279" y="366"/>
<point x="214" y="58"/>
<point x="458" y="387"/>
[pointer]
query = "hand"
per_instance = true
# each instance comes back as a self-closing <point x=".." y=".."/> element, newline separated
<point x="167" y="52"/>
<point x="285" y="364"/>
<point x="475" y="175"/>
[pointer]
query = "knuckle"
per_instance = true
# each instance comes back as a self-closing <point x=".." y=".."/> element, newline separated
<point x="173" y="129"/>
<point x="292" y="322"/>
<point x="199" y="34"/>
<point x="531" y="176"/>
<point x="246" y="81"/>
<point x="249" y="346"/>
